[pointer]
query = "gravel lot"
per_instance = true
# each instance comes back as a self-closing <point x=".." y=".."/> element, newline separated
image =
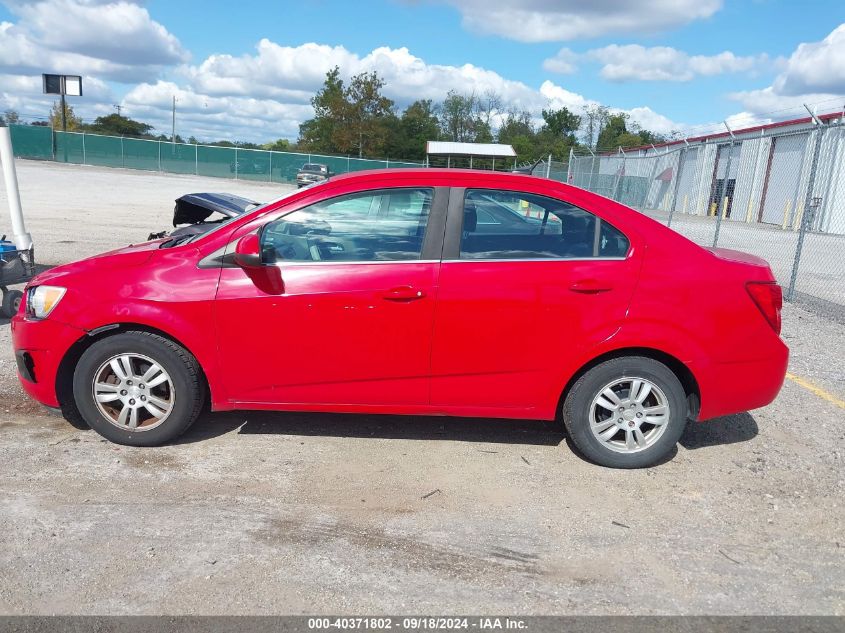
<point x="289" y="513"/>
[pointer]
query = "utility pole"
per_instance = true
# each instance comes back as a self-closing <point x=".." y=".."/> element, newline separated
<point x="173" y="133"/>
<point x="64" y="114"/>
<point x="118" y="108"/>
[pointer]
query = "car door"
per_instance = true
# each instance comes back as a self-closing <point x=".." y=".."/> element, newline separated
<point x="354" y="321"/>
<point x="514" y="305"/>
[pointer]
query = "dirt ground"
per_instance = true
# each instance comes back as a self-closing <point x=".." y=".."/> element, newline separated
<point x="265" y="513"/>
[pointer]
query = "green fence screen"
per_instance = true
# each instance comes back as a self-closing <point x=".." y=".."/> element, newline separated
<point x="41" y="142"/>
<point x="32" y="141"/>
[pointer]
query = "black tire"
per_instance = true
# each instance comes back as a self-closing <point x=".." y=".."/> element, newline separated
<point x="11" y="302"/>
<point x="184" y="372"/>
<point x="579" y="400"/>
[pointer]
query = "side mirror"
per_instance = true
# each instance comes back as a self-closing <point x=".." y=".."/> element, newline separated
<point x="248" y="252"/>
<point x="266" y="277"/>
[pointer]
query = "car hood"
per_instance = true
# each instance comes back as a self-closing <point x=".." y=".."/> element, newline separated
<point x="126" y="257"/>
<point x="194" y="208"/>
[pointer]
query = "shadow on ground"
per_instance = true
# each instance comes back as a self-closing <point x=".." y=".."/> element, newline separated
<point x="378" y="426"/>
<point x="730" y="429"/>
<point x="726" y="430"/>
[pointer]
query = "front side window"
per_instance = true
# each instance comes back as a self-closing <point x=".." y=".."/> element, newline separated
<point x="361" y="227"/>
<point x="515" y="225"/>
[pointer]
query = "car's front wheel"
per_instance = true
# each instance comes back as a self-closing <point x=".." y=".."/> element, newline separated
<point x="626" y="412"/>
<point x="138" y="388"/>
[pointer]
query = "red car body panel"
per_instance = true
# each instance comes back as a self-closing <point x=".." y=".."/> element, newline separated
<point x="436" y="336"/>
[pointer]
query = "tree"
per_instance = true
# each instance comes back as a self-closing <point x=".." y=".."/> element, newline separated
<point x="462" y="119"/>
<point x="280" y="145"/>
<point x="410" y="132"/>
<point x="118" y="125"/>
<point x="10" y="117"/>
<point x="613" y="133"/>
<point x="595" y="118"/>
<point x="618" y="133"/>
<point x="349" y="119"/>
<point x="73" y="122"/>
<point x="366" y="117"/>
<point x="317" y="134"/>
<point x="561" y="123"/>
<point x="518" y="131"/>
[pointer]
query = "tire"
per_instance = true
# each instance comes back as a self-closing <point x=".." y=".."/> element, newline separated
<point x="643" y="435"/>
<point x="172" y="400"/>
<point x="12" y="302"/>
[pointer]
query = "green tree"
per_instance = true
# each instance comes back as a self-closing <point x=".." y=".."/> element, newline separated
<point x="614" y="133"/>
<point x="466" y="118"/>
<point x="518" y="131"/>
<point x="118" y="125"/>
<point x="594" y="120"/>
<point x="280" y="145"/>
<point x="410" y="132"/>
<point x="317" y="134"/>
<point x="353" y="119"/>
<point x="10" y="117"/>
<point x="366" y="117"/>
<point x="561" y="123"/>
<point x="73" y="122"/>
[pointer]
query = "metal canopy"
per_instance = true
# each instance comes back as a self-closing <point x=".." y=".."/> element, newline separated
<point x="478" y="150"/>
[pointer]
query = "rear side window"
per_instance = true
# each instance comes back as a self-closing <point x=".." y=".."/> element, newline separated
<point x="515" y="225"/>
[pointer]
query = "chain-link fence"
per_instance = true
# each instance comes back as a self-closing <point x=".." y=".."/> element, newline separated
<point x="778" y="193"/>
<point x="41" y="142"/>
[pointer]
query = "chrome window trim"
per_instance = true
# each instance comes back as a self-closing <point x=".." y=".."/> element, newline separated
<point x="353" y="262"/>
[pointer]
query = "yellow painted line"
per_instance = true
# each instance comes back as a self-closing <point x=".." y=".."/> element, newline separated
<point x="821" y="393"/>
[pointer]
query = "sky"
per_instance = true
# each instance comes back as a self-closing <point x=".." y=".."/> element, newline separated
<point x="247" y="70"/>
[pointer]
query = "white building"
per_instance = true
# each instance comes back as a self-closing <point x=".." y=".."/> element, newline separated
<point x="760" y="174"/>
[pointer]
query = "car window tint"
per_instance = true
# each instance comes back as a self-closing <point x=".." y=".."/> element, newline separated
<point x="514" y="225"/>
<point x="361" y="227"/>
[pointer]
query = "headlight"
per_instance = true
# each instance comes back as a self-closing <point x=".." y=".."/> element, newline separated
<point x="41" y="300"/>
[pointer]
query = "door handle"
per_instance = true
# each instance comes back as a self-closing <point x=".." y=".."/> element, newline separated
<point x="591" y="286"/>
<point x="403" y="293"/>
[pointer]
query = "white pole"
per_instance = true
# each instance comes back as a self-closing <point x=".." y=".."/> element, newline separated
<point x="23" y="240"/>
<point x="549" y="166"/>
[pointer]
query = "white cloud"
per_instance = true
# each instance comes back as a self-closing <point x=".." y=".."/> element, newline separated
<point x="294" y="73"/>
<point x="113" y="40"/>
<point x="742" y="120"/>
<point x="266" y="95"/>
<point x="565" y="62"/>
<point x="813" y="74"/>
<point x="560" y="20"/>
<point x="214" y="117"/>
<point x="818" y="67"/>
<point x="634" y="62"/>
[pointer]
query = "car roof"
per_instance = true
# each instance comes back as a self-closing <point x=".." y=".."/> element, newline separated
<point x="442" y="173"/>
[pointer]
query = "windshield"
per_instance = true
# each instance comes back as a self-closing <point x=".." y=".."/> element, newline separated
<point x="312" y="167"/>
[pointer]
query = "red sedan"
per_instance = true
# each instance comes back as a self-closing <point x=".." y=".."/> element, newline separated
<point x="428" y="292"/>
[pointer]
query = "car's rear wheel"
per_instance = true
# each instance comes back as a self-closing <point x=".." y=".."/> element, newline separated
<point x="626" y="412"/>
<point x="138" y="388"/>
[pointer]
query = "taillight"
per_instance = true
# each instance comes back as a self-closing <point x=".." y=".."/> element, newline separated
<point x="769" y="298"/>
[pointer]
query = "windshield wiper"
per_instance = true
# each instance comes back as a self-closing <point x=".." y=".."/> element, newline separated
<point x="176" y="241"/>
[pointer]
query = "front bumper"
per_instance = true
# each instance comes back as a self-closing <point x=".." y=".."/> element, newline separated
<point x="40" y="345"/>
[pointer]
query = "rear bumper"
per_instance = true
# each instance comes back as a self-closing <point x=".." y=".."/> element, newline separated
<point x="728" y="388"/>
<point x="40" y="346"/>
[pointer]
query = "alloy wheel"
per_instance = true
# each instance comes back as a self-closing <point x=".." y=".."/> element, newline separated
<point x="629" y="415"/>
<point x="132" y="391"/>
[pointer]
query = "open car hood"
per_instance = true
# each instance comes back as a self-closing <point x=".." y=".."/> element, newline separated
<point x="194" y="208"/>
